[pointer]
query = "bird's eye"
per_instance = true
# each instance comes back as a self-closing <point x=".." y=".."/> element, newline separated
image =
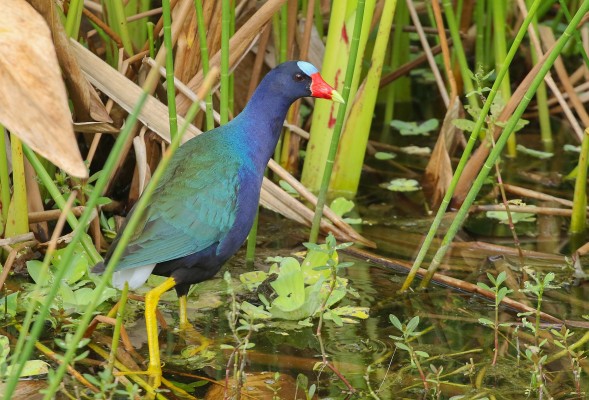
<point x="299" y="77"/>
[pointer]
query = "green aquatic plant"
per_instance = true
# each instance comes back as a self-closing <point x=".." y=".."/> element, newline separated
<point x="30" y="369"/>
<point x="535" y="354"/>
<point x="242" y="325"/>
<point x="537" y="288"/>
<point x="303" y="384"/>
<point x="408" y="333"/>
<point x="402" y="185"/>
<point x="500" y="292"/>
<point x="516" y="217"/>
<point x="342" y="207"/>
<point x="413" y="128"/>
<point x="300" y="291"/>
<point x="575" y="356"/>
<point x="76" y="287"/>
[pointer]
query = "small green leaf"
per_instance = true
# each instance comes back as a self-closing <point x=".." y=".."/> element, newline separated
<point x="287" y="187"/>
<point x="464" y="124"/>
<point x="571" y="148"/>
<point x="341" y="206"/>
<point x="4" y="349"/>
<point x="34" y="270"/>
<point x="402" y="346"/>
<point x="534" y="153"/>
<point x="395" y="321"/>
<point x="422" y="354"/>
<point x="501" y="278"/>
<point x="34" y="368"/>
<point x="402" y="185"/>
<point x="381" y="155"/>
<point x="486" y="321"/>
<point x="412" y="324"/>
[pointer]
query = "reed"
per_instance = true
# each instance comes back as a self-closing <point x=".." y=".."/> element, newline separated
<point x="352" y="60"/>
<point x="352" y="147"/>
<point x="507" y="131"/>
<point x="579" y="217"/>
<point x="468" y="150"/>
<point x="337" y="53"/>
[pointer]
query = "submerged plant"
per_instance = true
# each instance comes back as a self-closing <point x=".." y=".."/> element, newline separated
<point x="403" y="342"/>
<point x="500" y="292"/>
<point x="537" y="289"/>
<point x="241" y="329"/>
<point x="535" y="354"/>
<point x="575" y="356"/>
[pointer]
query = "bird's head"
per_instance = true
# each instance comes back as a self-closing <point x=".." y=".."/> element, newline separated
<point x="304" y="80"/>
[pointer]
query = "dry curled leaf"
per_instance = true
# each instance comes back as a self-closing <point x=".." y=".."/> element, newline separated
<point x="33" y="100"/>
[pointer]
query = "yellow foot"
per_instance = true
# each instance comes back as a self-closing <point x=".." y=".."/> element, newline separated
<point x="155" y="376"/>
<point x="192" y="336"/>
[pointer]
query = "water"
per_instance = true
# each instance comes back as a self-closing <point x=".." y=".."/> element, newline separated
<point x="366" y="355"/>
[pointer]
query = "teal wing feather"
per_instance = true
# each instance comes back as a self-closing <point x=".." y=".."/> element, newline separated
<point x="191" y="209"/>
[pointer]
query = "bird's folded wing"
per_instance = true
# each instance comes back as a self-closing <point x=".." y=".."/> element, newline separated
<point x="187" y="214"/>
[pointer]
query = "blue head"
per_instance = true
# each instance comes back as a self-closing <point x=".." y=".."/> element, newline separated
<point x="295" y="79"/>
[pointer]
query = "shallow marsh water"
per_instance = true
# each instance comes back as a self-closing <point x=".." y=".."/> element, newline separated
<point x="364" y="353"/>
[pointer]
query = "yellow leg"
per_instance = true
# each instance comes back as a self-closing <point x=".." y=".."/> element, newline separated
<point x="151" y="300"/>
<point x="187" y="327"/>
<point x="184" y="324"/>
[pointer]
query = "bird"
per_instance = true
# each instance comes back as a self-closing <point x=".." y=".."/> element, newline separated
<point x="203" y="207"/>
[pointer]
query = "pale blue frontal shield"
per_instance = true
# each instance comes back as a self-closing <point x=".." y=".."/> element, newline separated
<point x="307" y="68"/>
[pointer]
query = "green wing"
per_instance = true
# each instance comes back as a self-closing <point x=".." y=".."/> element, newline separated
<point x="191" y="209"/>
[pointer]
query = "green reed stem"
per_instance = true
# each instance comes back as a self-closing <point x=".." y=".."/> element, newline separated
<point x="579" y="217"/>
<point x="150" y="27"/>
<point x="170" y="88"/>
<point x="4" y="180"/>
<point x="488" y="49"/>
<point x="251" y="241"/>
<point x="73" y="19"/>
<point x="204" y="58"/>
<point x="479" y="47"/>
<point x="117" y="329"/>
<point x="500" y="47"/>
<point x="541" y="97"/>
<point x="118" y="8"/>
<point x="576" y="34"/>
<point x="468" y="149"/>
<point x="131" y="223"/>
<point x="19" y="190"/>
<point x="60" y="201"/>
<point x="225" y="33"/>
<point x="318" y="19"/>
<point x="459" y="51"/>
<point x="26" y="343"/>
<point x="507" y="131"/>
<point x="337" y="130"/>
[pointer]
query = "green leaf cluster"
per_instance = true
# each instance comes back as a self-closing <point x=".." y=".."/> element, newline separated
<point x="31" y="367"/>
<point x="300" y="289"/>
<point x="75" y="289"/>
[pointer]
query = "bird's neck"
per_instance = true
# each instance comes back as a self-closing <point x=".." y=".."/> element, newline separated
<point x="264" y="116"/>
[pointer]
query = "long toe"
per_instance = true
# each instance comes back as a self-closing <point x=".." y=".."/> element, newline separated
<point x="193" y="337"/>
